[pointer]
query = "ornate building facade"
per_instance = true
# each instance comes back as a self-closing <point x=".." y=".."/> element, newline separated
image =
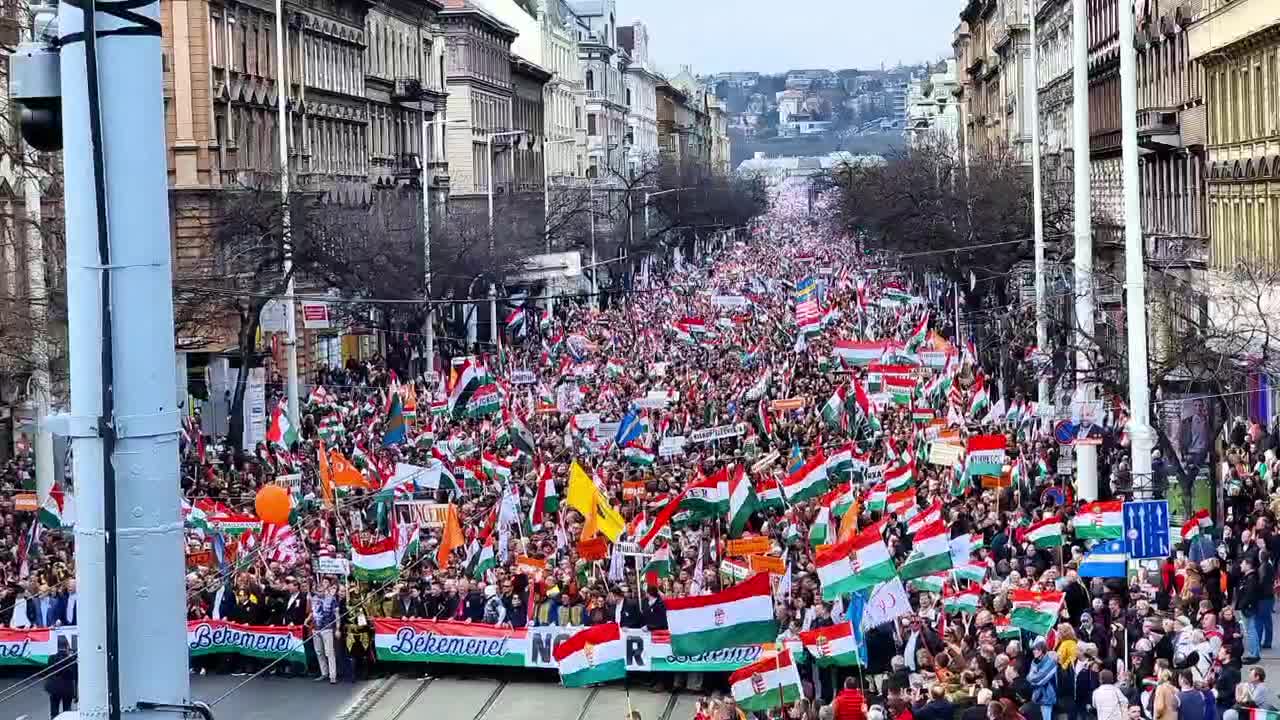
<point x="478" y="68"/>
<point x="992" y="47"/>
<point x="641" y="97"/>
<point x="605" y="94"/>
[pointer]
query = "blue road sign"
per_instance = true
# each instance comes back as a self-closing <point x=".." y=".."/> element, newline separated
<point x="1146" y="529"/>
<point x="1064" y="432"/>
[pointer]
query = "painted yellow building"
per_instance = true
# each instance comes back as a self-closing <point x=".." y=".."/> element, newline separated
<point x="1237" y="42"/>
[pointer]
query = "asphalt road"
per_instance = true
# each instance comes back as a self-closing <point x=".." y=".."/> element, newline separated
<point x="491" y="699"/>
<point x="266" y="698"/>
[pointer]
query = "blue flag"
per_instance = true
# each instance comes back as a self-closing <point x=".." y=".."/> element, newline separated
<point x="1105" y="560"/>
<point x="394" y="433"/>
<point x="858" y="606"/>
<point x="629" y="429"/>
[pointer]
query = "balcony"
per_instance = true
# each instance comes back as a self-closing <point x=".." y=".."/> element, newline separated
<point x="407" y="166"/>
<point x="1158" y="129"/>
<point x="1172" y="252"/>
<point x="409" y="90"/>
<point x="1108" y="291"/>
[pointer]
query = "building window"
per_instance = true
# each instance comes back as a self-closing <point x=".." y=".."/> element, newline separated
<point x="628" y="97"/>
<point x="591" y="124"/>
<point x="591" y="80"/>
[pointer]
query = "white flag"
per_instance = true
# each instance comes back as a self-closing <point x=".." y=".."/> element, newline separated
<point x="888" y="603"/>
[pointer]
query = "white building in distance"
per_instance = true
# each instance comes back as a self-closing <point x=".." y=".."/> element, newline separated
<point x="932" y="110"/>
<point x="640" y="81"/>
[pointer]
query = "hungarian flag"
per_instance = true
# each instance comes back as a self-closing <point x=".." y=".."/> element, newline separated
<point x="980" y="401"/>
<point x="929" y="583"/>
<point x="766" y="683"/>
<point x="901" y="389"/>
<point x="53" y="513"/>
<point x="659" y="565"/>
<point x="281" y="432"/>
<point x="985" y="455"/>
<point x="467" y="378"/>
<point x="809" y="317"/>
<point x="901" y="504"/>
<point x="833" y="411"/>
<point x="639" y="455"/>
<point x="930" y="552"/>
<point x="1035" y="612"/>
<point x="858" y="353"/>
<point x="862" y="561"/>
<point x="928" y="516"/>
<point x="521" y="438"/>
<point x="900" y="477"/>
<point x="498" y="469"/>
<point x="1046" y="533"/>
<point x="591" y="656"/>
<point x="840" y="463"/>
<point x="840" y="499"/>
<point x="764" y="417"/>
<point x="833" y="645"/>
<point x="820" y="530"/>
<point x="742" y="501"/>
<point x="877" y="498"/>
<point x="1006" y="630"/>
<point x="708" y="497"/>
<point x="1100" y="520"/>
<point x="962" y="601"/>
<point x="1195" y="525"/>
<point x="807" y="481"/>
<point x="974" y="572"/>
<point x="485" y="560"/>
<point x="546" y="500"/>
<point x="374" y="562"/>
<point x="919" y="334"/>
<point x="740" y="615"/>
<point x="768" y="494"/>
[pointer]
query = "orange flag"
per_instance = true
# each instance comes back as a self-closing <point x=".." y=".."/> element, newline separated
<point x="451" y="539"/>
<point x="326" y="482"/>
<point x="342" y="473"/>
<point x="849" y="523"/>
<point x="591" y="526"/>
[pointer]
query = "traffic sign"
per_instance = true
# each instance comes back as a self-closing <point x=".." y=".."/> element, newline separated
<point x="1146" y="529"/>
<point x="1064" y="432"/>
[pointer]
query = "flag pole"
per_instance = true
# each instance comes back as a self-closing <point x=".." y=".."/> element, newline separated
<point x="777" y="661"/>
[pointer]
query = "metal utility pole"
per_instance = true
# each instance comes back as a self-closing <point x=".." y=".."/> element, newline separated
<point x="426" y="237"/>
<point x="1141" y="436"/>
<point x="286" y="220"/>
<point x="124" y="416"/>
<point x="493" y="288"/>
<point x="1042" y="310"/>
<point x="1086" y="455"/>
<point x="41" y="385"/>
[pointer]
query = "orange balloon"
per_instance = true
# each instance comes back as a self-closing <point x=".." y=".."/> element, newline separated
<point x="272" y="504"/>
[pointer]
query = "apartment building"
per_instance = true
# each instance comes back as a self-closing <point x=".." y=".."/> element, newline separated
<point x="602" y="67"/>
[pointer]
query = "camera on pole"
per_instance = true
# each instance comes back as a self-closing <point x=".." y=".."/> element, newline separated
<point x="35" y="81"/>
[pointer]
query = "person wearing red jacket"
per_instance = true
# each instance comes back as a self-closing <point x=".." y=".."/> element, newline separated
<point x="850" y="703"/>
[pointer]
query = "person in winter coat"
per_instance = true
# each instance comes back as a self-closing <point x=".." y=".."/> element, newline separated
<point x="1043" y="679"/>
<point x="61" y="685"/>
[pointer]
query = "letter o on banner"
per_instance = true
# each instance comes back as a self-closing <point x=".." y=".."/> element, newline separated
<point x="272" y="504"/>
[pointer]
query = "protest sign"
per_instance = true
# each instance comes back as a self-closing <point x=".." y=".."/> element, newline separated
<point x="767" y="563"/>
<point x="523" y="377"/>
<point x="333" y="566"/>
<point x="716" y="433"/>
<point x="748" y="546"/>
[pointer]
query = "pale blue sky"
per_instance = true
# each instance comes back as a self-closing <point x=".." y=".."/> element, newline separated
<point x="775" y="35"/>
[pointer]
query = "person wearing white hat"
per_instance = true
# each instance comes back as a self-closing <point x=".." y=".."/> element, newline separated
<point x="495" y="613"/>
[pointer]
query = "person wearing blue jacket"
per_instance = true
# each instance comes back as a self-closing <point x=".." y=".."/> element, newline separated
<point x="1043" y="678"/>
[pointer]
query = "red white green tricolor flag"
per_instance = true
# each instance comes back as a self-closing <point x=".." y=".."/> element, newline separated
<point x="742" y="501"/>
<point x="1260" y="714"/>
<point x="1100" y="520"/>
<point x="930" y="552"/>
<point x="928" y="583"/>
<point x="1036" y="612"/>
<point x="808" y="481"/>
<point x="766" y="683"/>
<point x="374" y="562"/>
<point x="860" y="353"/>
<point x="1195" y="525"/>
<point x="919" y="334"/>
<point x="1006" y="630"/>
<point x="962" y="601"/>
<point x="740" y="615"/>
<point x="862" y="561"/>
<point x="986" y="455"/>
<point x="832" y="645"/>
<point x="594" y="655"/>
<point x="1046" y="533"/>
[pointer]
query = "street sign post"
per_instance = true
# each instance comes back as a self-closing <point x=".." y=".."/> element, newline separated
<point x="1146" y="529"/>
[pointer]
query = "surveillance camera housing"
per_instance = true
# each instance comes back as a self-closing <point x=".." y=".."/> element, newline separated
<point x="35" y="82"/>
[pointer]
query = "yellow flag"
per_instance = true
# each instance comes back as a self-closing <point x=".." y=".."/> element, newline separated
<point x="586" y="498"/>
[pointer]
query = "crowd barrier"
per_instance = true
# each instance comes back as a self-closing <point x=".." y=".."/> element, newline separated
<point x="408" y="641"/>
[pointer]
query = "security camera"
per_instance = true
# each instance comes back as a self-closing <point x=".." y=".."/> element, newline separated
<point x="35" y="82"/>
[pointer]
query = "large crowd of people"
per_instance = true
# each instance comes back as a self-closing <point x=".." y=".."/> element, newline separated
<point x="719" y="342"/>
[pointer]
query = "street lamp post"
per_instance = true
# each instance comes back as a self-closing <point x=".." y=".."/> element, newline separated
<point x="648" y="196"/>
<point x="493" y="288"/>
<point x="426" y="239"/>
